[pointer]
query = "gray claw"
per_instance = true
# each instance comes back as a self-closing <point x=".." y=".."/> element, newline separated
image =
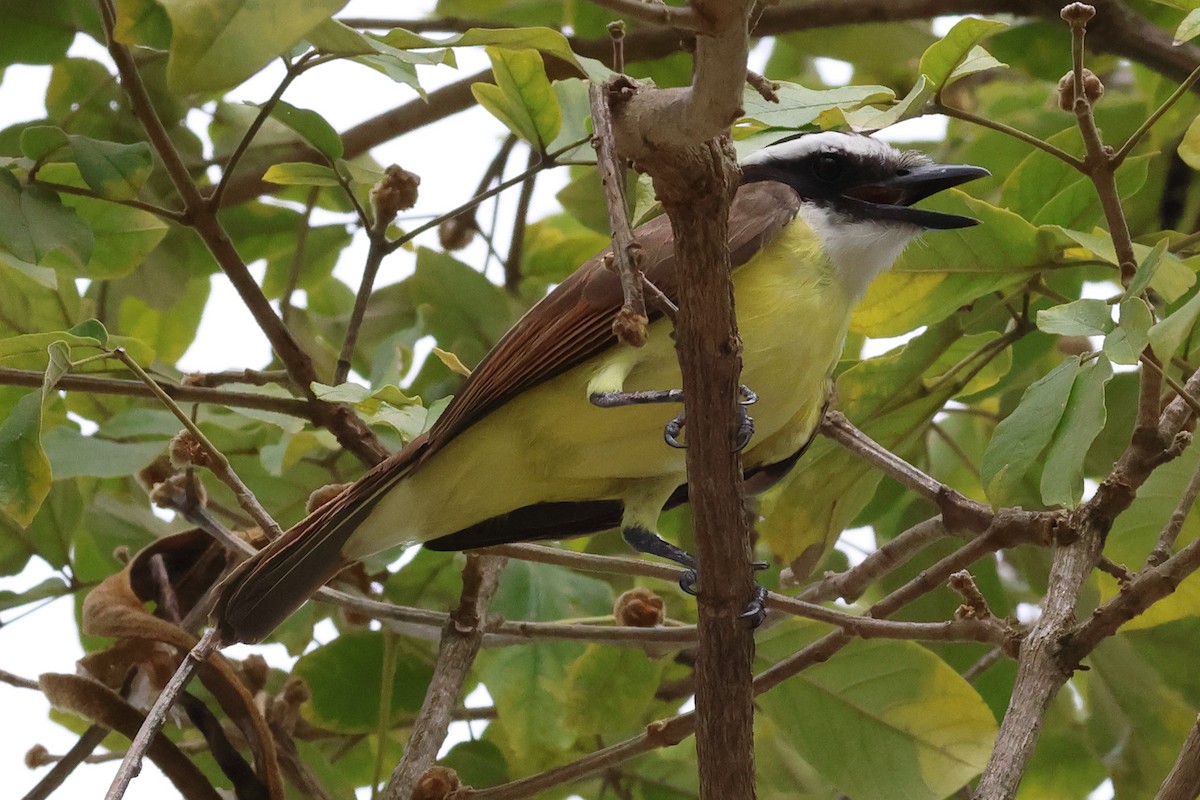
<point x="672" y="430"/>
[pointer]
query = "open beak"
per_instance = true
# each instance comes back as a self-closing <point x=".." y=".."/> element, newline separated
<point x="893" y="198"/>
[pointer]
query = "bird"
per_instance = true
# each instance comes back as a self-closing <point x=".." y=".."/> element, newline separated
<point x="559" y="431"/>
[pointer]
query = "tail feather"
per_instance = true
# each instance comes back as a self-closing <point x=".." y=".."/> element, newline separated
<point x="265" y="589"/>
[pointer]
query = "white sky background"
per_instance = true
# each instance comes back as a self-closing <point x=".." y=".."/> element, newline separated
<point x="450" y="158"/>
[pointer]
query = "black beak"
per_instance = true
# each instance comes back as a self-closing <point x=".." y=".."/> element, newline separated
<point x="892" y="198"/>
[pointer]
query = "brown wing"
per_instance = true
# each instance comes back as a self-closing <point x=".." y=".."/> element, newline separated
<point x="574" y="322"/>
<point x="568" y="326"/>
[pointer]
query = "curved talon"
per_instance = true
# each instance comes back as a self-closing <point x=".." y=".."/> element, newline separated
<point x="687" y="581"/>
<point x="756" y="609"/>
<point x="745" y="430"/>
<point x="749" y="396"/>
<point x="672" y="430"/>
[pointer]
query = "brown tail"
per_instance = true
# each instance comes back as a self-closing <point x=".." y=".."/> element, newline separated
<point x="264" y="590"/>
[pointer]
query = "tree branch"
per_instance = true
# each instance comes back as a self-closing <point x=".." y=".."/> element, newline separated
<point x="350" y="431"/>
<point x="183" y="394"/>
<point x="1183" y="782"/>
<point x="461" y="639"/>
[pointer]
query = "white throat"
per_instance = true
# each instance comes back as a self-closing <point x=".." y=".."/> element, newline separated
<point x="858" y="249"/>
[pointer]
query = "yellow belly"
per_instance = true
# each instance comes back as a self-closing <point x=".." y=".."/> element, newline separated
<point x="550" y="444"/>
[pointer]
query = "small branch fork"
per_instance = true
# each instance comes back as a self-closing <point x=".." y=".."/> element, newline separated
<point x="631" y="321"/>
<point x="1055" y="645"/>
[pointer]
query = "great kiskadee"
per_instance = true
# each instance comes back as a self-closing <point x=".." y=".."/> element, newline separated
<point x="558" y="433"/>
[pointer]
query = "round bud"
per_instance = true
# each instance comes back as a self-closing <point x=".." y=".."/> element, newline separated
<point x="438" y="783"/>
<point x="639" y="608"/>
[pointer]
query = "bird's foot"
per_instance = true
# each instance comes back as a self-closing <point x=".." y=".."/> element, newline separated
<point x="673" y="429"/>
<point x="756" y="609"/>
<point x="745" y="431"/>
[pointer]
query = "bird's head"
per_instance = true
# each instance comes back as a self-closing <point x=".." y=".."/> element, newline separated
<point x="857" y="194"/>
<point x="861" y="177"/>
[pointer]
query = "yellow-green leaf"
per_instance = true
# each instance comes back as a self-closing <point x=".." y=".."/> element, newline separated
<point x="1082" y="421"/>
<point x="522" y="97"/>
<point x="942" y="57"/>
<point x="217" y="44"/>
<point x="879" y="696"/>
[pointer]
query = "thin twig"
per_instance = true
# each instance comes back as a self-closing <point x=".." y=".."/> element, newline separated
<point x="548" y="162"/>
<point x="1008" y="130"/>
<point x="1183" y="781"/>
<point x="294" y="70"/>
<point x="1170" y="532"/>
<point x="131" y="765"/>
<point x="375" y="255"/>
<point x="460" y="643"/>
<point x="184" y="394"/>
<point x="983" y="664"/>
<point x="767" y="89"/>
<point x="630" y="323"/>
<point x="684" y="18"/>
<point x="17" y="680"/>
<point x="851" y="584"/>
<point x="1122" y="153"/>
<point x="158" y="211"/>
<point x="252" y="377"/>
<point x="303" y="229"/>
<point x="835" y="426"/>
<point x="80" y="752"/>
<point x="516" y="245"/>
<point x="216" y="460"/>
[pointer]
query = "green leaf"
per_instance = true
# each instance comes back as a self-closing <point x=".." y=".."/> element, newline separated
<point x="36" y="33"/>
<point x="1087" y="317"/>
<point x="941" y="58"/>
<point x="1167" y="335"/>
<point x="24" y="468"/>
<point x="301" y="173"/>
<point x="51" y="587"/>
<point x="1135" y="533"/>
<point x="217" y="44"/>
<point x="1022" y="435"/>
<point x="624" y="676"/>
<point x="477" y="763"/>
<point x="41" y="141"/>
<point x="1082" y="421"/>
<point x="73" y="455"/>
<point x="142" y="22"/>
<point x="1077" y="205"/>
<point x="116" y="171"/>
<point x="30" y="343"/>
<point x="521" y="97"/>
<point x="545" y="40"/>
<point x="1137" y="719"/>
<point x="531" y="591"/>
<point x="800" y="107"/>
<point x="34" y="223"/>
<point x="345" y="677"/>
<point x="1125" y="344"/>
<point x="1189" y="28"/>
<point x="879" y="696"/>
<point x="311" y="126"/>
<point x="92" y="329"/>
<point x="525" y="684"/>
<point x="978" y="60"/>
<point x="124" y="236"/>
<point x="952" y="268"/>
<point x="911" y="105"/>
<point x="1172" y="277"/>
<point x="1147" y="268"/>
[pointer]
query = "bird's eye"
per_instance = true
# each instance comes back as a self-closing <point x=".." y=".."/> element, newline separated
<point x="828" y="167"/>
